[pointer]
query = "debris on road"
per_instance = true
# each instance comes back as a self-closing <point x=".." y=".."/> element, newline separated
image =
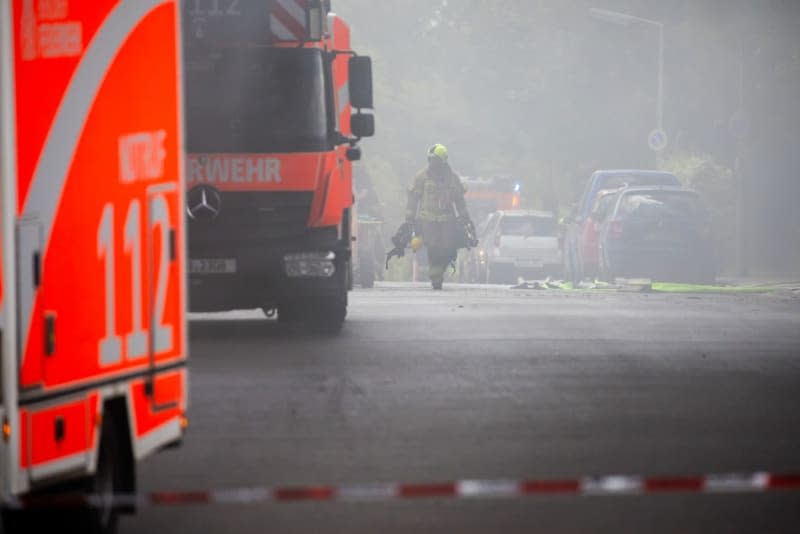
<point x="646" y="285"/>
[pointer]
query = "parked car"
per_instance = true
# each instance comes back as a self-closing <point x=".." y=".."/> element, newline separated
<point x="576" y="265"/>
<point x="516" y="243"/>
<point x="662" y="233"/>
<point x="590" y="230"/>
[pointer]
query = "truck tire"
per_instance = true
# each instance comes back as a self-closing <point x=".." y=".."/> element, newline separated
<point x="326" y="314"/>
<point x="289" y="313"/>
<point x="108" y="481"/>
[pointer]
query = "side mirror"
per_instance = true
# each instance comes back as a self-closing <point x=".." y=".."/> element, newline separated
<point x="360" y="82"/>
<point x="362" y="125"/>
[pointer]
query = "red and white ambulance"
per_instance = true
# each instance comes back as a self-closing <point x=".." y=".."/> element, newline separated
<point x="93" y="363"/>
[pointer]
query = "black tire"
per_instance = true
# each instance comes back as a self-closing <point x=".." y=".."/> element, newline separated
<point x="326" y="315"/>
<point x="289" y="313"/>
<point x="108" y="481"/>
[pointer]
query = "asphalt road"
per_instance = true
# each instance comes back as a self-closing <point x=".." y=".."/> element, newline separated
<point x="492" y="383"/>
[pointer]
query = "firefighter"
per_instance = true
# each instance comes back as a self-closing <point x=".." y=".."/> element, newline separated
<point x="437" y="212"/>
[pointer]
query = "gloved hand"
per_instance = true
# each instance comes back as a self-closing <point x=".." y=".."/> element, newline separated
<point x="469" y="230"/>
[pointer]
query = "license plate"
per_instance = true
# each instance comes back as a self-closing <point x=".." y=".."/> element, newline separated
<point x="212" y="266"/>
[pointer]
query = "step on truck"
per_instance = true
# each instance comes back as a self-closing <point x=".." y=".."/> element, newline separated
<point x="93" y="352"/>
<point x="271" y="136"/>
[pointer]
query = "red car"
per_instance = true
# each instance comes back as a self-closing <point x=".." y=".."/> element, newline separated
<point x="590" y="230"/>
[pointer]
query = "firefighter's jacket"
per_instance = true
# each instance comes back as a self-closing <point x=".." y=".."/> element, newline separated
<point x="435" y="204"/>
<point x="436" y="197"/>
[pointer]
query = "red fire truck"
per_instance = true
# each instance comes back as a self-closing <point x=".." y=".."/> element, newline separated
<point x="270" y="85"/>
<point x="93" y="357"/>
<point x="488" y="194"/>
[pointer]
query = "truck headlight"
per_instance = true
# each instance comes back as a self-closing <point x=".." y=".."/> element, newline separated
<point x="309" y="264"/>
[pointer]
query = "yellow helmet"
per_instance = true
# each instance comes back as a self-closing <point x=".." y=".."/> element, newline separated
<point x="438" y="151"/>
<point x="416" y="243"/>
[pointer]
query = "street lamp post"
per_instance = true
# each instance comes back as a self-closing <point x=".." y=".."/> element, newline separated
<point x="624" y="19"/>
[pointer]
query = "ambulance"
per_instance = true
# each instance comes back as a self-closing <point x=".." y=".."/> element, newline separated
<point x="94" y="347"/>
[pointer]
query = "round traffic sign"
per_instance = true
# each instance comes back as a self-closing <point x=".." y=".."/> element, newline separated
<point x="657" y="140"/>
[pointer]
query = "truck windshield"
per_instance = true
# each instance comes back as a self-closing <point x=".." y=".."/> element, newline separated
<point x="256" y="100"/>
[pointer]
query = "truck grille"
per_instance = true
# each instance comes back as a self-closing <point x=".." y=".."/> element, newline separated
<point x="253" y="216"/>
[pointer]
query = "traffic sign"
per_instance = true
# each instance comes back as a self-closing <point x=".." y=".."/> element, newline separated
<point x="657" y="140"/>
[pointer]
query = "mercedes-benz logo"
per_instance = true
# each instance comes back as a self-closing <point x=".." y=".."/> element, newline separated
<point x="203" y="202"/>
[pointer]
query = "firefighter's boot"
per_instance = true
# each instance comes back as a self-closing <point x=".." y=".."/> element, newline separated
<point x="436" y="272"/>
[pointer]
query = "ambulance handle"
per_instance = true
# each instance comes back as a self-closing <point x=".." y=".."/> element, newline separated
<point x="37" y="270"/>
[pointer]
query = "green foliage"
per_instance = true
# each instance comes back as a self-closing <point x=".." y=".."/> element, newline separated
<point x="717" y="186"/>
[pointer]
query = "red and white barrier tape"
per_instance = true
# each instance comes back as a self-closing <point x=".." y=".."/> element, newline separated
<point x="464" y="489"/>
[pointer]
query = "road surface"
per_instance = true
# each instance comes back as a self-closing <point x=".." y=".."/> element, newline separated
<point x="490" y="382"/>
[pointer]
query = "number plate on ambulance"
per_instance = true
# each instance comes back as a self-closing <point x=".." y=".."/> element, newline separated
<point x="212" y="266"/>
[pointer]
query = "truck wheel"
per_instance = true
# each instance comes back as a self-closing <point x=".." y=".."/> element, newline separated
<point x="326" y="314"/>
<point x="288" y="313"/>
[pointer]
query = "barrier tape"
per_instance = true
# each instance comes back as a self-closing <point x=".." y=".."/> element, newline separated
<point x="462" y="489"/>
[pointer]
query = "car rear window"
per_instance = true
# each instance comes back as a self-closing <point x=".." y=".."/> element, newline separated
<point x="528" y="226"/>
<point x="659" y="204"/>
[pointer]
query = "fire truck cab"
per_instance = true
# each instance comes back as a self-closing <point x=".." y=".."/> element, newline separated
<point x="270" y="88"/>
<point x="93" y="352"/>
